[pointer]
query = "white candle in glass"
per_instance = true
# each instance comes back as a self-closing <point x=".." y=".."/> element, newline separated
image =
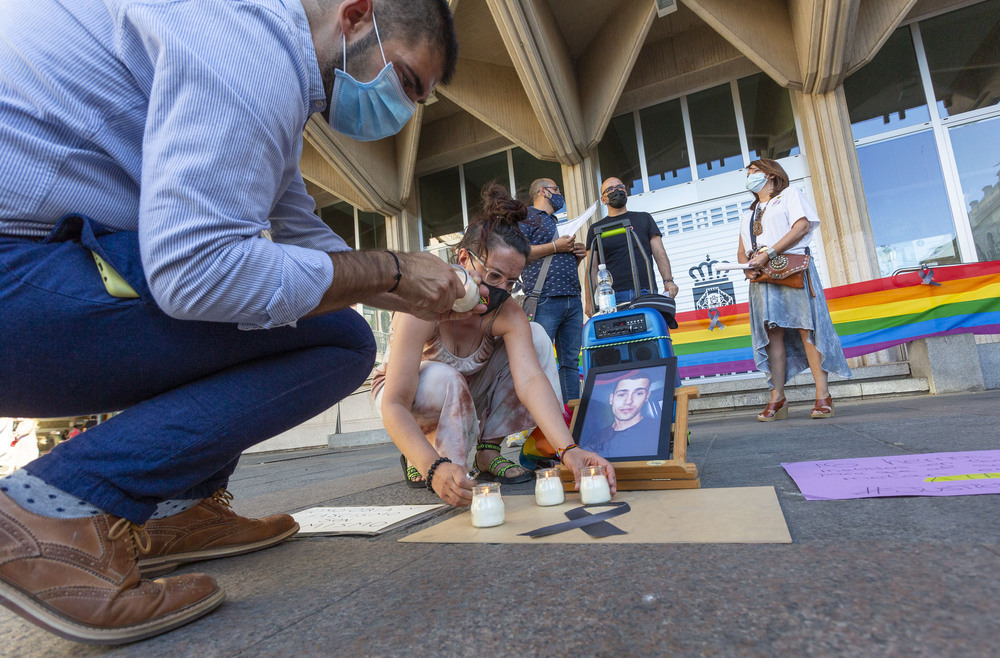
<point x="471" y="297"/>
<point x="594" y="487"/>
<point x="487" y="505"/>
<point x="548" y="488"/>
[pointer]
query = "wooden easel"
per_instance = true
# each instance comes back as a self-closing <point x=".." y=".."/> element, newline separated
<point x="676" y="473"/>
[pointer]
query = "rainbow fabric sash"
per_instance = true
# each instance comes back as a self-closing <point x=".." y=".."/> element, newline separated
<point x="868" y="317"/>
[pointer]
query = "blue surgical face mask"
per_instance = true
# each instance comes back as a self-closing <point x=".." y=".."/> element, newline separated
<point x="756" y="181"/>
<point x="367" y="111"/>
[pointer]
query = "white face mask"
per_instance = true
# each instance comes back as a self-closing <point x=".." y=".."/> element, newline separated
<point x="367" y="111"/>
<point x="756" y="181"/>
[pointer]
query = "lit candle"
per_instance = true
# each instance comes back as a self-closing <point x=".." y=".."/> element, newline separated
<point x="548" y="488"/>
<point x="487" y="505"/>
<point x="594" y="486"/>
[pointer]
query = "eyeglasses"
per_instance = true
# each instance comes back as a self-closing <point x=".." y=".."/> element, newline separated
<point x="497" y="279"/>
<point x="613" y="188"/>
<point x="554" y="188"/>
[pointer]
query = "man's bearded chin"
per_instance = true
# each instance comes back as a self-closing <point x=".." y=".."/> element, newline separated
<point x="358" y="54"/>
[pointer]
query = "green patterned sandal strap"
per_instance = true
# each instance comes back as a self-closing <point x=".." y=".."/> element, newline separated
<point x="412" y="474"/>
<point x="487" y="446"/>
<point x="495" y="469"/>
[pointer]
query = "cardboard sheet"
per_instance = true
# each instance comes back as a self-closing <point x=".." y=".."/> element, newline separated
<point x="744" y="515"/>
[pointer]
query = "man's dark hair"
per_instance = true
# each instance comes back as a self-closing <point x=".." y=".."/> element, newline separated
<point x="413" y="20"/>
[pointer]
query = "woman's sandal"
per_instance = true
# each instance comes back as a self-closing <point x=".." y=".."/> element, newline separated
<point x="823" y="408"/>
<point x="411" y="475"/>
<point x="500" y="465"/>
<point x="774" y="411"/>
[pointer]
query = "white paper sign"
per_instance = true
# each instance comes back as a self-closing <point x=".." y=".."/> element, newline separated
<point x="572" y="226"/>
<point x="360" y="520"/>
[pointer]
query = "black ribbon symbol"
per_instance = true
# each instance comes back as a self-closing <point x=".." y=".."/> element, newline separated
<point x="714" y="314"/>
<point x="595" y="525"/>
<point x="927" y="276"/>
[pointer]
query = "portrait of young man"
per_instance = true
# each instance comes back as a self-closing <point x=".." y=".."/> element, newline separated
<point x="632" y="430"/>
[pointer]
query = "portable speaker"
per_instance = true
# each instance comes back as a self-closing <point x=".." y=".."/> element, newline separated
<point x="630" y="336"/>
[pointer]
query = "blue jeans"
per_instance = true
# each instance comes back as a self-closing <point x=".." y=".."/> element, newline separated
<point x="562" y="318"/>
<point x="195" y="394"/>
<point x="625" y="296"/>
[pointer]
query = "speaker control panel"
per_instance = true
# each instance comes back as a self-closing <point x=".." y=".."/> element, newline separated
<point x="621" y="326"/>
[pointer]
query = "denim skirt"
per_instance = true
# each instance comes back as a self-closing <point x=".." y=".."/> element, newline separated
<point x="772" y="305"/>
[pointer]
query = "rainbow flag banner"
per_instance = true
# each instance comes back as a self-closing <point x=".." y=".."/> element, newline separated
<point x="868" y="317"/>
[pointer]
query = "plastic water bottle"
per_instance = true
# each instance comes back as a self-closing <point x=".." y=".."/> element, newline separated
<point x="605" y="293"/>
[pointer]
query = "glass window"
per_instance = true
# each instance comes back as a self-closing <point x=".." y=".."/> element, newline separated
<point x="979" y="172"/>
<point x="665" y="145"/>
<point x="340" y="217"/>
<point x="963" y="54"/>
<point x="767" y="114"/>
<point x="907" y="202"/>
<point x="713" y="126"/>
<point x="480" y="172"/>
<point x="528" y="168"/>
<point x="887" y="93"/>
<point x="618" y="153"/>
<point x="440" y="206"/>
<point x="371" y="231"/>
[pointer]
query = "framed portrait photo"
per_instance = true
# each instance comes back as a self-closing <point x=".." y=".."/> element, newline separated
<point x="626" y="410"/>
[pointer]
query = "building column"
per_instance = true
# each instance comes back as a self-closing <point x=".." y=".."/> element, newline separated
<point x="836" y="183"/>
<point x="840" y="197"/>
<point x="581" y="188"/>
<point x="402" y="230"/>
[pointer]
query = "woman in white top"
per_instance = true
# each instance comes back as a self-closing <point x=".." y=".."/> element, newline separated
<point x="446" y="387"/>
<point x="781" y="221"/>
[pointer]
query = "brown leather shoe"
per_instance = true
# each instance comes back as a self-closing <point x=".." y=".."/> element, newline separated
<point x="78" y="578"/>
<point x="823" y="408"/>
<point x="774" y="411"/>
<point x="207" y="531"/>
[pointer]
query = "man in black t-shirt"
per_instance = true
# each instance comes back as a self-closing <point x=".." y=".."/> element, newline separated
<point x="614" y="195"/>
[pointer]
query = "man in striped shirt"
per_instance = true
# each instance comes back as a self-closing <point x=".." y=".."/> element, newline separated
<point x="146" y="146"/>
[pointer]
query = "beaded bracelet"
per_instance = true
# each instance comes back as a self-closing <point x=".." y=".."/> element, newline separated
<point x="562" y="451"/>
<point x="399" y="272"/>
<point x="430" y="471"/>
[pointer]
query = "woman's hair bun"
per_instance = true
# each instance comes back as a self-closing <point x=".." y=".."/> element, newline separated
<point x="496" y="222"/>
<point x="499" y="205"/>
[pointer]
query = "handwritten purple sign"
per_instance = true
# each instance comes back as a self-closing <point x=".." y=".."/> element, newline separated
<point x="932" y="474"/>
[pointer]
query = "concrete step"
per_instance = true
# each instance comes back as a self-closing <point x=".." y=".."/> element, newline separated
<point x="890" y="379"/>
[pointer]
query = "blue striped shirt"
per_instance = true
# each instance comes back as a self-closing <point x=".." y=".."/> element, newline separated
<point x="181" y="120"/>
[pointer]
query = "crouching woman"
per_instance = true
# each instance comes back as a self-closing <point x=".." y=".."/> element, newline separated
<point x="446" y="386"/>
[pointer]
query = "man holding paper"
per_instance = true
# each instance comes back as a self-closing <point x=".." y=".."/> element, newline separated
<point x="552" y="283"/>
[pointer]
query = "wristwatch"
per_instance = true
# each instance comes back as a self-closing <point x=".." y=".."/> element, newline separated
<point x="771" y="253"/>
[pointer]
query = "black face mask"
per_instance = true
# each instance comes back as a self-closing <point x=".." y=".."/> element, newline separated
<point x="496" y="297"/>
<point x="617" y="198"/>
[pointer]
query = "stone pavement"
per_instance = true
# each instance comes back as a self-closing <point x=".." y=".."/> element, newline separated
<point x="871" y="577"/>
